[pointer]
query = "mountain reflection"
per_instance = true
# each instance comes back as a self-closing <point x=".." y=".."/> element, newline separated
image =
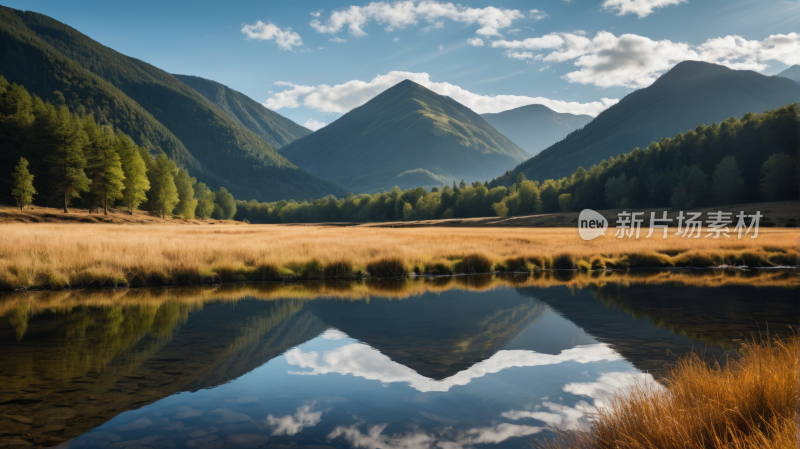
<point x="74" y="360"/>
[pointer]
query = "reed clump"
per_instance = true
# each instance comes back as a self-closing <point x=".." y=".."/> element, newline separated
<point x="64" y="256"/>
<point x="748" y="402"/>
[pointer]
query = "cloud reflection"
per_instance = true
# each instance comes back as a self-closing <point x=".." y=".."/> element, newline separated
<point x="364" y="361"/>
<point x="293" y="424"/>
<point x="418" y="439"/>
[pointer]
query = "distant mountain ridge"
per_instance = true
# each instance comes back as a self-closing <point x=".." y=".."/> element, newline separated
<point x="408" y="136"/>
<point x="793" y="73"/>
<point x="535" y="127"/>
<point x="692" y="92"/>
<point x="274" y="128"/>
<point x="58" y="63"/>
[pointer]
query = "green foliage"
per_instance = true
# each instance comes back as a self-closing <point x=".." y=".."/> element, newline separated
<point x="728" y="182"/>
<point x="163" y="194"/>
<point x="60" y="134"/>
<point x="134" y="166"/>
<point x="777" y="175"/>
<point x="205" y="201"/>
<point x="104" y="166"/>
<point x="565" y="201"/>
<point x="23" y="184"/>
<point x="224" y="205"/>
<point x="668" y="172"/>
<point x="187" y="203"/>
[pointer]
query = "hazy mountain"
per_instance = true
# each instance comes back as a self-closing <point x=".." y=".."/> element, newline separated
<point x="156" y="109"/>
<point x="691" y="93"/>
<point x="535" y="127"/>
<point x="276" y="129"/>
<point x="407" y="136"/>
<point x="793" y="73"/>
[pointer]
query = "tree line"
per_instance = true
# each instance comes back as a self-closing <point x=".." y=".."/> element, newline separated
<point x="751" y="159"/>
<point x="78" y="159"/>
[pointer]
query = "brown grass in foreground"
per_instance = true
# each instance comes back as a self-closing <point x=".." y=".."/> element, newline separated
<point x="58" y="256"/>
<point x="747" y="403"/>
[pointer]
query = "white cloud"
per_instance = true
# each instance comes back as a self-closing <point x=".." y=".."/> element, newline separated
<point x="344" y="97"/>
<point x="641" y="8"/>
<point x="396" y="39"/>
<point x="333" y="334"/>
<point x="601" y="391"/>
<point x="475" y="41"/>
<point x="401" y="14"/>
<point x="636" y="61"/>
<point x="544" y="68"/>
<point x="513" y="31"/>
<point x="437" y="24"/>
<point x="337" y="39"/>
<point x="418" y="439"/>
<point x="286" y="39"/>
<point x="361" y="360"/>
<point x="314" y="125"/>
<point x="440" y="47"/>
<point x="539" y="15"/>
<point x="317" y="13"/>
<point x="521" y="55"/>
<point x="291" y="425"/>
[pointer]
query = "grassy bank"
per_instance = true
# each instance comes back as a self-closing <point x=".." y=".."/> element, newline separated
<point x="58" y="256"/>
<point x="747" y="403"/>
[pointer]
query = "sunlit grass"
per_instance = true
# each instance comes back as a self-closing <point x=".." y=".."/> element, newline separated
<point x="56" y="256"/>
<point x="746" y="403"/>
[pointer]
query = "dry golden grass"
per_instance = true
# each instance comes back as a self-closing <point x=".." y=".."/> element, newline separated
<point x="72" y="255"/>
<point x="748" y="403"/>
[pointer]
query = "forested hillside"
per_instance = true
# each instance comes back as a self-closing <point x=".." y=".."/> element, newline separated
<point x="793" y="73"/>
<point x="274" y="128"/>
<point x="156" y="109"/>
<point x="535" y="127"/>
<point x="692" y="92"/>
<point x="751" y="159"/>
<point x="407" y="136"/>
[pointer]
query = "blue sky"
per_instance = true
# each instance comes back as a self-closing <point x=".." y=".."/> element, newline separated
<point x="315" y="60"/>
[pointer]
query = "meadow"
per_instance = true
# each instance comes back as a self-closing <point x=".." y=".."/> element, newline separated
<point x="57" y="256"/>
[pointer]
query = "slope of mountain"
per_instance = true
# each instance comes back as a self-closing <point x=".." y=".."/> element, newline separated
<point x="691" y="93"/>
<point x="535" y="127"/>
<point x="274" y="128"/>
<point x="407" y="136"/>
<point x="793" y="73"/>
<point x="152" y="106"/>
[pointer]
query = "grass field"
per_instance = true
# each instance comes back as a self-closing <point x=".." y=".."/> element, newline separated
<point x="55" y="256"/>
<point x="746" y="403"/>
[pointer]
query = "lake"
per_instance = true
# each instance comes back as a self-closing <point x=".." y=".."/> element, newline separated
<point x="450" y="362"/>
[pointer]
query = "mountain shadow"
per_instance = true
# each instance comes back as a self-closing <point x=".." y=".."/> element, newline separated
<point x="536" y="127"/>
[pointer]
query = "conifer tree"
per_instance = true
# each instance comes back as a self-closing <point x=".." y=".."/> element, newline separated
<point x="205" y="200"/>
<point x="135" y="168"/>
<point x="23" y="184"/>
<point x="187" y="203"/>
<point x="163" y="193"/>
<point x="103" y="163"/>
<point x="64" y="139"/>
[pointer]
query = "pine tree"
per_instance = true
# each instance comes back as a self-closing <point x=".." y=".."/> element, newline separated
<point x="64" y="139"/>
<point x="23" y="184"/>
<point x="135" y="168"/>
<point x="728" y="182"/>
<point x="163" y="193"/>
<point x="104" y="166"/>
<point x="205" y="200"/>
<point x="187" y="204"/>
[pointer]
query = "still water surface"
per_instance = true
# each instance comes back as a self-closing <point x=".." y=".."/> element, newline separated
<point x="449" y="367"/>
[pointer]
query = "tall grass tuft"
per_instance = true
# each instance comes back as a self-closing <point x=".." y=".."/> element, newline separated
<point x="746" y="403"/>
<point x="387" y="268"/>
<point x="474" y="263"/>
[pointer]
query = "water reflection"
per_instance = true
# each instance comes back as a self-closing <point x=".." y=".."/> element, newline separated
<point x="456" y="362"/>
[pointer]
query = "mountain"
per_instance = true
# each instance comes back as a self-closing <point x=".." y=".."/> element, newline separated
<point x="793" y="73"/>
<point x="691" y="93"/>
<point x="408" y="136"/>
<point x="156" y="109"/>
<point x="535" y="127"/>
<point x="274" y="128"/>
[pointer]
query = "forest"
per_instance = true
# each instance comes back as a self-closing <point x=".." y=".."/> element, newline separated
<point x="62" y="156"/>
<point x="751" y="159"/>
